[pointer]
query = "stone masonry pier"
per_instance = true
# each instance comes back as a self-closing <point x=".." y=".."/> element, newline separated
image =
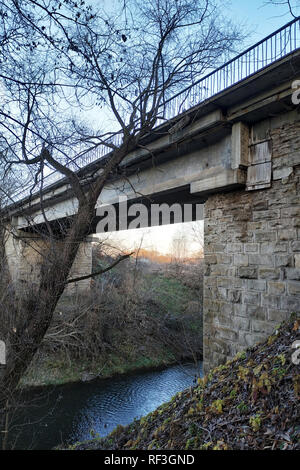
<point x="252" y="250"/>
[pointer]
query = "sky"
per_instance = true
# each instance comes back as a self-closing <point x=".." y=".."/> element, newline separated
<point x="260" y="16"/>
<point x="259" y="20"/>
<point x="160" y="239"/>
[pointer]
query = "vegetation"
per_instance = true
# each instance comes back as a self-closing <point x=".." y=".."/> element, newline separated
<point x="133" y="319"/>
<point x="251" y="402"/>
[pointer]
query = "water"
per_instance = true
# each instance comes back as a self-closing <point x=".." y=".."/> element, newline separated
<point x="75" y="412"/>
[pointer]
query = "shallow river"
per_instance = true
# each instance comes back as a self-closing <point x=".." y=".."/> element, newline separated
<point x="75" y="412"/>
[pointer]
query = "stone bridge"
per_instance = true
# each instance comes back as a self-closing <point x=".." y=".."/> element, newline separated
<point x="237" y="154"/>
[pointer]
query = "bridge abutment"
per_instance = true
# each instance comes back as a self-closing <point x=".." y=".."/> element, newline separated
<point x="252" y="254"/>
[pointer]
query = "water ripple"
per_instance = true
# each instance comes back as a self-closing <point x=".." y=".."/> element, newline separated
<point x="81" y="410"/>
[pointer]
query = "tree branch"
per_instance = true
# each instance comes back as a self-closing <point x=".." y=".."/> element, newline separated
<point x="102" y="271"/>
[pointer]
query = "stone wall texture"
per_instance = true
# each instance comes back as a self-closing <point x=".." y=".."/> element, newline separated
<point x="25" y="256"/>
<point x="252" y="254"/>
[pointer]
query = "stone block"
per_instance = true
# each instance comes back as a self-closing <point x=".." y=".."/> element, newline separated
<point x="251" y="298"/>
<point x="290" y="212"/>
<point x="294" y="288"/>
<point x="251" y="339"/>
<point x="240" y="260"/>
<point x="265" y="236"/>
<point x="235" y="248"/>
<point x="269" y="273"/>
<point x="234" y="296"/>
<point x="263" y="327"/>
<point x="254" y="311"/>
<point x="224" y="259"/>
<point x="242" y="324"/>
<point x="261" y="260"/>
<point x="272" y="301"/>
<point x="257" y="285"/>
<point x="240" y="310"/>
<point x="251" y="247"/>
<point x="278" y="316"/>
<point x="287" y="234"/>
<point x="247" y="272"/>
<point x="295" y="246"/>
<point x="225" y="333"/>
<point x="283" y="172"/>
<point x="276" y="288"/>
<point x="292" y="273"/>
<point x="270" y="248"/>
<point x="214" y="248"/>
<point x="290" y="303"/>
<point x="210" y="259"/>
<point x="283" y="260"/>
<point x="266" y="215"/>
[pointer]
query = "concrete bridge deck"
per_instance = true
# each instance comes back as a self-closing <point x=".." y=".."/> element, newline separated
<point x="207" y="153"/>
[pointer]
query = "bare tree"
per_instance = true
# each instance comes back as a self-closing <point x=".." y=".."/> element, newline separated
<point x="197" y="237"/>
<point x="179" y="250"/>
<point x="60" y="57"/>
<point x="291" y="5"/>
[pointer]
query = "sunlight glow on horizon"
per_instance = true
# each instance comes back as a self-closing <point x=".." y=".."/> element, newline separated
<point x="158" y="239"/>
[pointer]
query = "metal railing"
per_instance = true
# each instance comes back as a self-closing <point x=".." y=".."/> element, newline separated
<point x="267" y="51"/>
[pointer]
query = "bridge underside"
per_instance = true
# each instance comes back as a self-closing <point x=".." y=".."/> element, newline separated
<point x="180" y="197"/>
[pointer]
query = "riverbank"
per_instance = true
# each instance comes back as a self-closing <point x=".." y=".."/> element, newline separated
<point x="251" y="402"/>
<point x="49" y="371"/>
<point x="153" y="323"/>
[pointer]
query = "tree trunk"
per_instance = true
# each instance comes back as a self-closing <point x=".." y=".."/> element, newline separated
<point x="37" y="313"/>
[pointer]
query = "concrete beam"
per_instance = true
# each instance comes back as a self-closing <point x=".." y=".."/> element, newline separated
<point x="240" y="146"/>
<point x="195" y="128"/>
<point x="273" y="95"/>
<point x="226" y="179"/>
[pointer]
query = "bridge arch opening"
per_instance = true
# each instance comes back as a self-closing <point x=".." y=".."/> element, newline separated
<point x="164" y="276"/>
